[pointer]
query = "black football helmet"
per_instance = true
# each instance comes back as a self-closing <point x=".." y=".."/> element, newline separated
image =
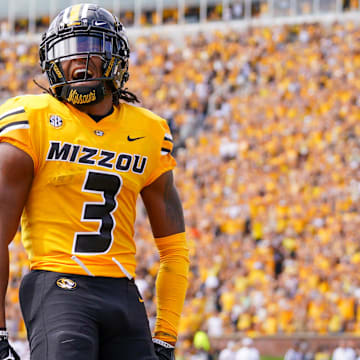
<point x="85" y="30"/>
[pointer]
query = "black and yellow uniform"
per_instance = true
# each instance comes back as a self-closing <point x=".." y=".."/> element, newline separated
<point x="79" y="217"/>
<point x="78" y="224"/>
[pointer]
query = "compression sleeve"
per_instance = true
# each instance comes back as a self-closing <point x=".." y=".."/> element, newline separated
<point x="171" y="284"/>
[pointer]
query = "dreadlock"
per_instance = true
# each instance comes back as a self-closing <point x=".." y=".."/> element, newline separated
<point x="45" y="90"/>
<point x="125" y="95"/>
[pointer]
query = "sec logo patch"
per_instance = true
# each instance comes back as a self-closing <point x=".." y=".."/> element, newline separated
<point x="56" y="121"/>
<point x="66" y="284"/>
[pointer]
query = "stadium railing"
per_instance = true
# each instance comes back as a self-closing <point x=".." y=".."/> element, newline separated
<point x="182" y="16"/>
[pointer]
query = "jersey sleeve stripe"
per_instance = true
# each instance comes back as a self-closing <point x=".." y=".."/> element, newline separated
<point x="168" y="137"/>
<point x="168" y="144"/>
<point x="15" y="111"/>
<point x="14" y="126"/>
<point x="165" y="151"/>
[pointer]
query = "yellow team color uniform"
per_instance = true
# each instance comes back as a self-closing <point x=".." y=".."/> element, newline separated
<point x="80" y="213"/>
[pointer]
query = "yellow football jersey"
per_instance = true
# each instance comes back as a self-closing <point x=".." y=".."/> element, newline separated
<point x="79" y="217"/>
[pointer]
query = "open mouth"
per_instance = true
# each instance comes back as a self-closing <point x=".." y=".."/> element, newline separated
<point x="82" y="74"/>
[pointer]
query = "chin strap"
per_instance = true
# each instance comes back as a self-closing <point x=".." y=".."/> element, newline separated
<point x="82" y="95"/>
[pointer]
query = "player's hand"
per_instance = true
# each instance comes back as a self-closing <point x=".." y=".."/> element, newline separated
<point x="6" y="351"/>
<point x="163" y="350"/>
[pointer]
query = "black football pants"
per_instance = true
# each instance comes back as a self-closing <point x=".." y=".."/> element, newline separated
<point x="76" y="317"/>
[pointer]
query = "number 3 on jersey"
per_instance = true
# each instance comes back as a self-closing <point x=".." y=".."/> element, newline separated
<point x="108" y="185"/>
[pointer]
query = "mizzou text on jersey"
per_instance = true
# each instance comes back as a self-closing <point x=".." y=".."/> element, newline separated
<point x="87" y="177"/>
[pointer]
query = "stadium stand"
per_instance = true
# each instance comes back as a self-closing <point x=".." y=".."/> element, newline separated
<point x="266" y="125"/>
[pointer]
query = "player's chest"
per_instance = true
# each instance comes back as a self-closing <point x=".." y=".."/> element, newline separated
<point x="123" y="152"/>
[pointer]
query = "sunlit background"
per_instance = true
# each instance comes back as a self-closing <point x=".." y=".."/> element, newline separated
<point x="262" y="98"/>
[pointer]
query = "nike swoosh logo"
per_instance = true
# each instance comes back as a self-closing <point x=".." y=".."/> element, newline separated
<point x="141" y="300"/>
<point x="136" y="138"/>
<point x="100" y="23"/>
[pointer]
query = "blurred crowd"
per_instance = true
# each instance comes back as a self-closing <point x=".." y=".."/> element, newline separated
<point x="299" y="350"/>
<point x="150" y="16"/>
<point x="266" y="125"/>
<point x="215" y="11"/>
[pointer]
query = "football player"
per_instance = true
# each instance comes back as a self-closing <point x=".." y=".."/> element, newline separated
<point x="72" y="164"/>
